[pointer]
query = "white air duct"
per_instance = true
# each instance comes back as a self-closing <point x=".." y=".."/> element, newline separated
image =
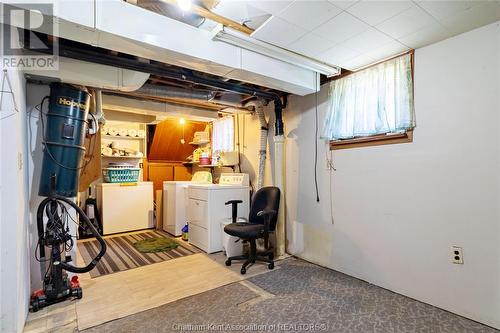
<point x="259" y="110"/>
<point x="92" y="75"/>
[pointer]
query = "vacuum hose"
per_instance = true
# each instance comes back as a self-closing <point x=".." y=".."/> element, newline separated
<point x="44" y="205"/>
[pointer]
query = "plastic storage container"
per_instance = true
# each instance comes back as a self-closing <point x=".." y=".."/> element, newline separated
<point x="121" y="175"/>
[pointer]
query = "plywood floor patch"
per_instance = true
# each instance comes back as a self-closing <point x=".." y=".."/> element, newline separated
<point x="121" y="294"/>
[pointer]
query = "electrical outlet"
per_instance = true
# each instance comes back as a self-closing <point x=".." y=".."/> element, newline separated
<point x="457" y="255"/>
<point x="329" y="164"/>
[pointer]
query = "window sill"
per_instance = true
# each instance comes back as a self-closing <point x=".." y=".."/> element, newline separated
<point x="374" y="140"/>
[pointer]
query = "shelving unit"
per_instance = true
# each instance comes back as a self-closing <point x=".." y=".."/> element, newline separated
<point x="125" y="142"/>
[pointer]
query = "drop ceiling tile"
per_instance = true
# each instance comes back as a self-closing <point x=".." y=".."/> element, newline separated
<point x="407" y="22"/>
<point x="388" y="50"/>
<point x="428" y="35"/>
<point x="270" y="6"/>
<point x="375" y="12"/>
<point x="309" y="14"/>
<point x="338" y="54"/>
<point x="310" y="45"/>
<point x="443" y="9"/>
<point x="341" y="27"/>
<point x="368" y="40"/>
<point x="208" y="25"/>
<point x="238" y="11"/>
<point x="357" y="62"/>
<point x="472" y="18"/>
<point x="242" y="12"/>
<point x="343" y="4"/>
<point x="278" y="32"/>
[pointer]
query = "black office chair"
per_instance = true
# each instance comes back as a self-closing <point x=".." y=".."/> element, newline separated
<point x="261" y="221"/>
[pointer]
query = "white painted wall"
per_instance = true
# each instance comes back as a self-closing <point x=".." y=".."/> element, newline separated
<point x="398" y="209"/>
<point x="34" y="95"/>
<point x="14" y="214"/>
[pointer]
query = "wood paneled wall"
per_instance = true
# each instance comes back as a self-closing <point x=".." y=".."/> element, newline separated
<point x="166" y="153"/>
<point x="158" y="172"/>
<point x="166" y="144"/>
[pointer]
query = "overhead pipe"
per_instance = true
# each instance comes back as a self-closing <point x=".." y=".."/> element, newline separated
<point x="92" y="55"/>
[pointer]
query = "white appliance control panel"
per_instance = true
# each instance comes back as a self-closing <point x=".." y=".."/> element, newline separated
<point x="241" y="179"/>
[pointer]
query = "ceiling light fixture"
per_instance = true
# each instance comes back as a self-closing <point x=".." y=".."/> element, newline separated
<point x="185" y="5"/>
<point x="233" y="37"/>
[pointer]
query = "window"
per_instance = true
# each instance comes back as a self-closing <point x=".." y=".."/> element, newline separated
<point x="223" y="134"/>
<point x="372" y="105"/>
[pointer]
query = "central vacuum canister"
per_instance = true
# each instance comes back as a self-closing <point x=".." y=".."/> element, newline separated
<point x="63" y="140"/>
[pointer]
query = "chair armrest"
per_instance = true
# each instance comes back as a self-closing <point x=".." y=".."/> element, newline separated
<point x="268" y="214"/>
<point x="234" y="204"/>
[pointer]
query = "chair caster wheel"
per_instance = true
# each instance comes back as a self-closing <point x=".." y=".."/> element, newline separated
<point x="243" y="271"/>
<point x="270" y="266"/>
<point x="228" y="262"/>
<point x="35" y="305"/>
<point x="77" y="292"/>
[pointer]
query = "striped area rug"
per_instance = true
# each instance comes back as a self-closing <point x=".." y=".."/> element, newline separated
<point x="121" y="254"/>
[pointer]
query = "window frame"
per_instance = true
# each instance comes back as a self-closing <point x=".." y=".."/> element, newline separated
<point x="377" y="139"/>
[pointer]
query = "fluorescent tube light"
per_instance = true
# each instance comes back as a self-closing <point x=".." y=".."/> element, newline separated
<point x="236" y="38"/>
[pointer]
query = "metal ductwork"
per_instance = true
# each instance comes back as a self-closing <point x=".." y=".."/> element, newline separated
<point x="227" y="99"/>
<point x="174" y="92"/>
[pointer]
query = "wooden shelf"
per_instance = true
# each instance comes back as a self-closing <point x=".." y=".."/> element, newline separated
<point x="124" y="157"/>
<point x="199" y="143"/>
<point x="107" y="136"/>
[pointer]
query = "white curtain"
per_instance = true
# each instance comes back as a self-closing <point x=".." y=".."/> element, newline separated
<point x="223" y="134"/>
<point x="373" y="101"/>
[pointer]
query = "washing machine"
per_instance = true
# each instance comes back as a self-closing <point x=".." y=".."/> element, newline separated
<point x="174" y="201"/>
<point x="207" y="209"/>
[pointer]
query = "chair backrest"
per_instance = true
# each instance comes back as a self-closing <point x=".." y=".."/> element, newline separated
<point x="264" y="199"/>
